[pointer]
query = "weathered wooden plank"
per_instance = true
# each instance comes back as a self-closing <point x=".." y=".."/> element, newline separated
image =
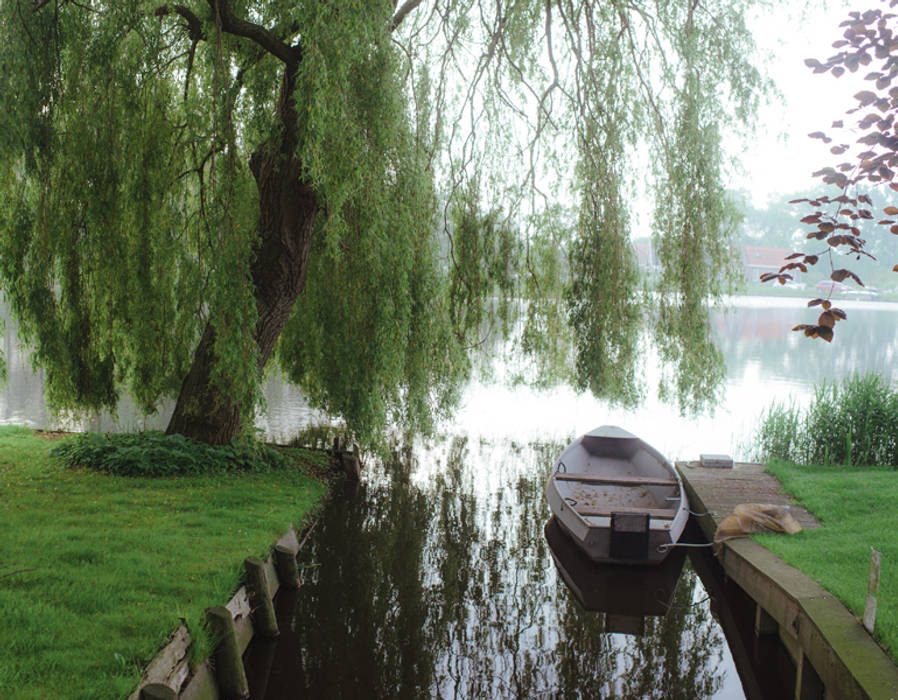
<point x="621" y="479"/>
<point x="609" y="510"/>
<point x="201" y="686"/>
<point x="241" y="611"/>
<point x="239" y="603"/>
<point x="170" y="666"/>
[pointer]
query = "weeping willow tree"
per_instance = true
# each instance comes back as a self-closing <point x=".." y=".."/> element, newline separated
<point x="194" y="192"/>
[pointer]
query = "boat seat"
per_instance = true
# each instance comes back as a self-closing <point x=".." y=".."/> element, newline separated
<point x="609" y="510"/>
<point x="619" y="479"/>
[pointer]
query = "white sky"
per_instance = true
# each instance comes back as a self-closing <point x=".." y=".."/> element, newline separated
<point x="782" y="157"/>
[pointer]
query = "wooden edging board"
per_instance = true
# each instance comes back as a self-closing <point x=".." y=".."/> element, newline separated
<point x="847" y="659"/>
<point x="170" y="667"/>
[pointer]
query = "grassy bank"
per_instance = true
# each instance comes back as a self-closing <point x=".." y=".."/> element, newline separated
<point x="857" y="509"/>
<point x="96" y="570"/>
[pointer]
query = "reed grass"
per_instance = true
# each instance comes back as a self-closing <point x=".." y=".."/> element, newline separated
<point x="853" y="422"/>
<point x="97" y="569"/>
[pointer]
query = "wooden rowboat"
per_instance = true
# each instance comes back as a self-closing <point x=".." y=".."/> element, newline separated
<point x="618" y="498"/>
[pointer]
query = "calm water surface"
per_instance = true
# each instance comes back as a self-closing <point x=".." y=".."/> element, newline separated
<point x="450" y="585"/>
<point x="435" y="577"/>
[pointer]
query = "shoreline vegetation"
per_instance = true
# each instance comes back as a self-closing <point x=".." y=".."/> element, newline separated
<point x="98" y="569"/>
<point x="838" y="458"/>
<point x="856" y="508"/>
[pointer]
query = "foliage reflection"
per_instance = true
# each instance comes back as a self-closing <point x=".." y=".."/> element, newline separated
<point x="435" y="579"/>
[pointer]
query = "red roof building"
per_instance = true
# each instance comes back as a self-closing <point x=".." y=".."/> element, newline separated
<point x="759" y="259"/>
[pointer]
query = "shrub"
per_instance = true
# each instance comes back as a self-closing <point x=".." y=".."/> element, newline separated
<point x="157" y="454"/>
<point x="853" y="422"/>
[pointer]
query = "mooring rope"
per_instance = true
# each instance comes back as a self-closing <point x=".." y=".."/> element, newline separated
<point x="670" y="545"/>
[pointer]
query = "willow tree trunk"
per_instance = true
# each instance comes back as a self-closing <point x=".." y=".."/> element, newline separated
<point x="288" y="207"/>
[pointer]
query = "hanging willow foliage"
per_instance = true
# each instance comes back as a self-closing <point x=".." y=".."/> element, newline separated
<point x="366" y="191"/>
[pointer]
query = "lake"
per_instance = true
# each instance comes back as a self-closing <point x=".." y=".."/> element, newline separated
<point x="436" y="576"/>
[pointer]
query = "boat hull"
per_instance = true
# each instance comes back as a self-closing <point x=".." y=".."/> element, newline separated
<point x="617" y="498"/>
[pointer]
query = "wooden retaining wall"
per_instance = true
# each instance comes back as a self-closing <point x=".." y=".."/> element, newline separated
<point x="170" y="667"/>
<point x="835" y="657"/>
<point x="169" y="674"/>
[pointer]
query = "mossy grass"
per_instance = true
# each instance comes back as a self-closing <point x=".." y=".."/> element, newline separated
<point x="97" y="569"/>
<point x="857" y="509"/>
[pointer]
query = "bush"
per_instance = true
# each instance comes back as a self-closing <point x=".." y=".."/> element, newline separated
<point x="855" y="423"/>
<point x="156" y="454"/>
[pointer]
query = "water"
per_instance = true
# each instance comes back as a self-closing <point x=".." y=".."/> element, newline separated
<point x="435" y="577"/>
<point x="453" y="586"/>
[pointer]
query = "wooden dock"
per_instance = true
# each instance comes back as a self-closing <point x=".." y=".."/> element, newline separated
<point x="835" y="657"/>
<point x="721" y="490"/>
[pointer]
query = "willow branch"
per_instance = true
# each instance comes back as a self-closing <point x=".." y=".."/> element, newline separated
<point x="194" y="24"/>
<point x="403" y="12"/>
<point x="232" y="24"/>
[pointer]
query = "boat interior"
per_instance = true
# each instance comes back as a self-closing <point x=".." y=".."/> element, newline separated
<point x="603" y="475"/>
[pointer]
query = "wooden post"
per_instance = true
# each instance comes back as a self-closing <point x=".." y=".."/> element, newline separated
<point x="872" y="590"/>
<point x="764" y="623"/>
<point x="157" y="691"/>
<point x="264" y="620"/>
<point x="229" y="672"/>
<point x="285" y="564"/>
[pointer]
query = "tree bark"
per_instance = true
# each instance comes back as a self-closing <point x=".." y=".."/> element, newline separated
<point x="288" y="206"/>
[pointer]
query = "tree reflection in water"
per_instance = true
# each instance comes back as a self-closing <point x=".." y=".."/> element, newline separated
<point x="435" y="579"/>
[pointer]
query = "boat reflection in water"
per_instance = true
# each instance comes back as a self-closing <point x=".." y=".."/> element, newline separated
<point x="624" y="595"/>
<point x="434" y="578"/>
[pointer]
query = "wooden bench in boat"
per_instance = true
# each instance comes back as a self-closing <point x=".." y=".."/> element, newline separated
<point x="620" y="479"/>
<point x="608" y="510"/>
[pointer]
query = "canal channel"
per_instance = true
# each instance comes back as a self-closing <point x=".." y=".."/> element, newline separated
<point x="437" y="576"/>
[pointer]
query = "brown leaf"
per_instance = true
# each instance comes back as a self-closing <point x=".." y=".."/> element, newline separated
<point x="810" y="259"/>
<point x="838" y="313"/>
<point x="827" y="319"/>
<point x="825" y="333"/>
<point x="825" y="303"/>
<point x="840" y="274"/>
<point x="891" y="211"/>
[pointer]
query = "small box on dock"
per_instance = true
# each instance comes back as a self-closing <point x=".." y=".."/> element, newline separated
<point x="716" y="461"/>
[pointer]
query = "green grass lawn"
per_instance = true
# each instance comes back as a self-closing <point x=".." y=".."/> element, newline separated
<point x="97" y="570"/>
<point x="859" y="510"/>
